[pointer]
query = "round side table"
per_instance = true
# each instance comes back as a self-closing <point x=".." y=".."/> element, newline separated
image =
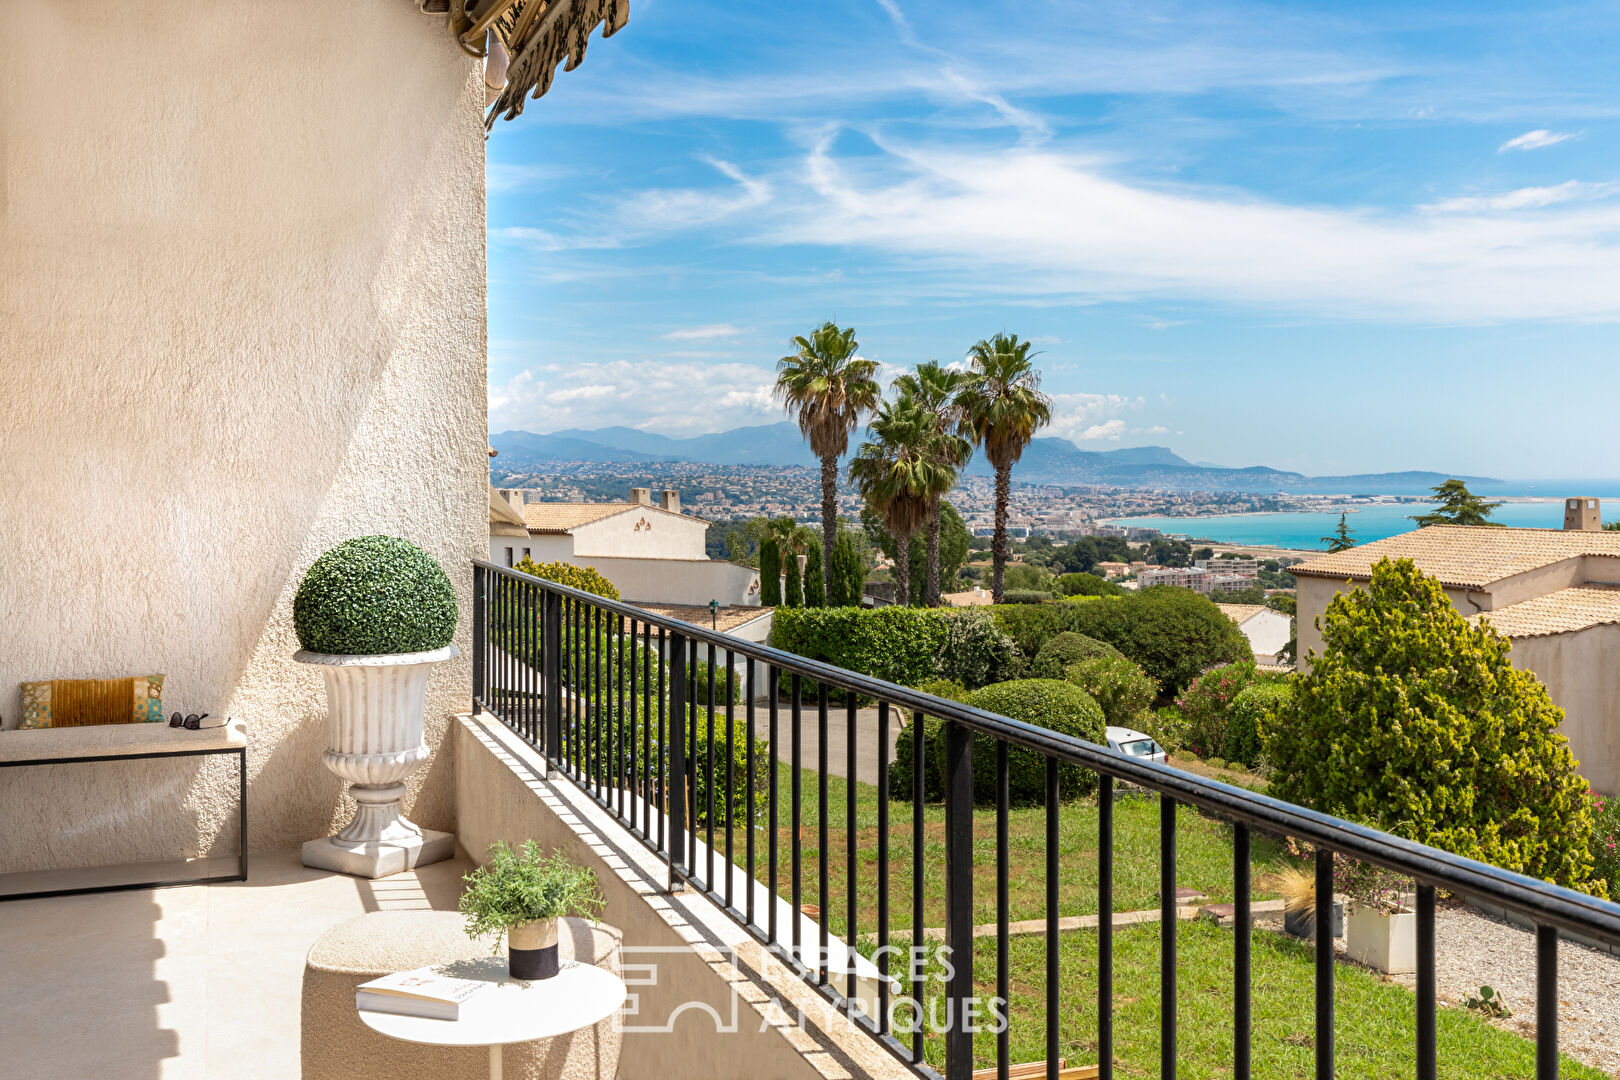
<point x="510" y="1011"/>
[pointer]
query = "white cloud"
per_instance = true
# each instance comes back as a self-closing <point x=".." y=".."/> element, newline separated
<point x="1084" y="417"/>
<point x="1529" y="198"/>
<point x="674" y="397"/>
<point x="712" y="332"/>
<point x="1535" y="140"/>
<point x="1109" y="429"/>
<point x="501" y="177"/>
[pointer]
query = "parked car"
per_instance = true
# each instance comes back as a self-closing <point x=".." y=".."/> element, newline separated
<point x="1136" y="744"/>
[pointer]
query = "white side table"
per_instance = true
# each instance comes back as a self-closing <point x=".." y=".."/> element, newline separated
<point x="579" y="996"/>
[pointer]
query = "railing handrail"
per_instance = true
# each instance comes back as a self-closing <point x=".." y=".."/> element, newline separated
<point x="1545" y="902"/>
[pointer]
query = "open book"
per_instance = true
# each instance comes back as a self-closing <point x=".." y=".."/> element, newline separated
<point x="423" y="992"/>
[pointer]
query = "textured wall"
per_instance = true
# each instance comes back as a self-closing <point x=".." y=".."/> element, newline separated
<point x="1583" y="679"/>
<point x="661" y="536"/>
<point x="242" y="284"/>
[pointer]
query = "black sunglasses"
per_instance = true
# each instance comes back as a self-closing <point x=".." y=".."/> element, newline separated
<point x="189" y="723"/>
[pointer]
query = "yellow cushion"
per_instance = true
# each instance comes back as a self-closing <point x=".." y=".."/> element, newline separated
<point x="137" y="699"/>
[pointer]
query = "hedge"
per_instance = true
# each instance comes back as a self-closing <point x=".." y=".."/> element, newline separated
<point x="617" y="762"/>
<point x="1173" y="633"/>
<point x="1025" y="596"/>
<point x="1250" y="716"/>
<point x="1048" y="703"/>
<point x="899" y="644"/>
<point x="583" y="578"/>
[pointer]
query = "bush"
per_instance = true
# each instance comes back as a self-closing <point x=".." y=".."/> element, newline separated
<point x="770" y="573"/>
<point x="583" y="578"/>
<point x="1173" y="633"/>
<point x="899" y="644"/>
<point x="1606" y="839"/>
<point x="1064" y="649"/>
<point x="1122" y="690"/>
<point x="616" y="760"/>
<point x="815" y="590"/>
<point x="1087" y="585"/>
<point x="949" y="689"/>
<point x="1024" y="577"/>
<point x="1415" y="722"/>
<point x="699" y="674"/>
<point x="1205" y="702"/>
<point x="1167" y="727"/>
<point x="1250" y="716"/>
<point x="374" y="595"/>
<point x="1032" y="625"/>
<point x="792" y="580"/>
<point x="902" y="781"/>
<point x="1024" y="596"/>
<point x="976" y="652"/>
<point x="1048" y="703"/>
<point x="1215" y="762"/>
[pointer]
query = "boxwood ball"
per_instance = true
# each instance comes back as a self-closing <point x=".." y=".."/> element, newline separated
<point x="374" y="595"/>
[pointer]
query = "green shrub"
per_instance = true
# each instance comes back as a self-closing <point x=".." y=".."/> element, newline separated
<point x="699" y="673"/>
<point x="1249" y="717"/>
<point x="902" y="781"/>
<point x="1087" y="585"/>
<point x="1048" y="703"/>
<point x="1023" y="577"/>
<point x="848" y="575"/>
<point x="583" y="578"/>
<point x="975" y="652"/>
<point x="1173" y="633"/>
<point x="1415" y="722"/>
<point x="792" y="580"/>
<point x="1025" y="596"/>
<point x="1167" y="727"/>
<point x="770" y="573"/>
<point x="1031" y="625"/>
<point x="899" y="644"/>
<point x="949" y="689"/>
<point x="374" y="595"/>
<point x="1120" y="687"/>
<point x="815" y="589"/>
<point x="1205" y="702"/>
<point x="1606" y="839"/>
<point x="622" y="764"/>
<point x="1215" y="762"/>
<point x="1064" y="649"/>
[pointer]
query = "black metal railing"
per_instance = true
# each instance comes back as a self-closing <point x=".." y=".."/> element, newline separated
<point x="625" y="704"/>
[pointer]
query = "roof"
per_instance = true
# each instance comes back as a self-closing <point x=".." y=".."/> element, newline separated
<point x="1242" y="613"/>
<point x="565" y="517"/>
<point x="970" y="598"/>
<point x="535" y="38"/>
<point x="725" y="620"/>
<point x="504" y="520"/>
<point x="1562" y="612"/>
<point x="1466" y="556"/>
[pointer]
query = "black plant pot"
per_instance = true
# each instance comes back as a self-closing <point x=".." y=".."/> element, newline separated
<point x="531" y="950"/>
<point x="1302" y="924"/>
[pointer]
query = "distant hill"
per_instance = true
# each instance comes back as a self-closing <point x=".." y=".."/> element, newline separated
<point x="1046" y="461"/>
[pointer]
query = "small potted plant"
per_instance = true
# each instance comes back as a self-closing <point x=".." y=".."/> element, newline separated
<point x="1298" y="891"/>
<point x="523" y="895"/>
<point x="375" y="614"/>
<point x="1381" y="931"/>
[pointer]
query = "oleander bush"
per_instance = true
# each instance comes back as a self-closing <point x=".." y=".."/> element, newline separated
<point x="1174" y="634"/>
<point x="1204" y="705"/>
<point x="1119" y="687"/>
<point x="1064" y="649"/>
<point x="975" y="652"/>
<point x="374" y="595"/>
<point x="1416" y="722"/>
<point x="1606" y="839"/>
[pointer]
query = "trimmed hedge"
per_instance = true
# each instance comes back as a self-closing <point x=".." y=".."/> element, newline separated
<point x="620" y="764"/>
<point x="1048" y="703"/>
<point x="583" y="578"/>
<point x="899" y="644"/>
<point x="1025" y="596"/>
<point x="1065" y="649"/>
<point x="374" y="595"/>
<point x="1173" y="633"/>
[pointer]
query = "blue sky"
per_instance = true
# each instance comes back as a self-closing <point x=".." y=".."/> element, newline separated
<point x="1322" y="237"/>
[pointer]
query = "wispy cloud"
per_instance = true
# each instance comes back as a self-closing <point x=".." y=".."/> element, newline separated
<point x="1529" y="198"/>
<point x="676" y="397"/>
<point x="1091" y="417"/>
<point x="711" y="332"/>
<point x="1535" y="140"/>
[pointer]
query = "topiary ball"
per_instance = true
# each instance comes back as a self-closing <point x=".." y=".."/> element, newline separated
<point x="374" y="595"/>
<point x="1060" y="706"/>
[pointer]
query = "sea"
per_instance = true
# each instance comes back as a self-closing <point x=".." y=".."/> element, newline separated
<point x="1304" y="530"/>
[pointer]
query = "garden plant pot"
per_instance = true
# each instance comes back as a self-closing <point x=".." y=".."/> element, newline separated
<point x="375" y="708"/>
<point x="531" y="950"/>
<point x="1302" y="924"/>
<point x="1383" y="940"/>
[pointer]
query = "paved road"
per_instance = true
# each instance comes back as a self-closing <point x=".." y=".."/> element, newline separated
<point x="866" y="739"/>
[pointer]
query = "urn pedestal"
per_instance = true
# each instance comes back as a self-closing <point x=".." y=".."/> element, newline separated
<point x="375" y="710"/>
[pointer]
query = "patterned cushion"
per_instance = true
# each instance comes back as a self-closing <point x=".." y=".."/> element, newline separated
<point x="82" y="702"/>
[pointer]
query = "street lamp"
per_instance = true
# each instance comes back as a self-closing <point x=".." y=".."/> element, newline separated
<point x="714" y="614"/>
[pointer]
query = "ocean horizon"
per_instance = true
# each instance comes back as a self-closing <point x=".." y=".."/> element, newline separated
<point x="1304" y="530"/>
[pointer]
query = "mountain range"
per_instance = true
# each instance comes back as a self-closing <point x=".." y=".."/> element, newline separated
<point x="1048" y="460"/>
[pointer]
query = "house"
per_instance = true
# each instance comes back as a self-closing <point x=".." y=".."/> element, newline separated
<point x="650" y="550"/>
<point x="1268" y="631"/>
<point x="1555" y="593"/>
<point x="1111" y="570"/>
<point x="1179" y="577"/>
<point x="978" y="596"/>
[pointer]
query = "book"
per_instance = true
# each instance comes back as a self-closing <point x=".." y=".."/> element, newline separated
<point x="422" y="992"/>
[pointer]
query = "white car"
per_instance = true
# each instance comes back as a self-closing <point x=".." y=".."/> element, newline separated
<point x="1136" y="744"/>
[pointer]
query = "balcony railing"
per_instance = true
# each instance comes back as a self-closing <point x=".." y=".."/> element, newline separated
<point x="616" y="698"/>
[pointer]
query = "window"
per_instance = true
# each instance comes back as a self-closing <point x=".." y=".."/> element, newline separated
<point x="509" y="556"/>
<point x="1140" y="748"/>
<point x="525" y="553"/>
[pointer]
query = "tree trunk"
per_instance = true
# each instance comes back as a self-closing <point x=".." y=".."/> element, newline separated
<point x="931" y="587"/>
<point x="829" y="519"/>
<point x="902" y="570"/>
<point x="998" y="549"/>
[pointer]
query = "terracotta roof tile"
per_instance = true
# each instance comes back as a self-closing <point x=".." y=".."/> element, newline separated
<point x="561" y="517"/>
<point x="1467" y="556"/>
<point x="1561" y="612"/>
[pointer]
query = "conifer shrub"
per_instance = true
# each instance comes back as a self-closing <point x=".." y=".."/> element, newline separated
<point x="792" y="581"/>
<point x="1415" y="722"/>
<point x="770" y="573"/>
<point x="815" y="590"/>
<point x="848" y="576"/>
<point x="374" y="595"/>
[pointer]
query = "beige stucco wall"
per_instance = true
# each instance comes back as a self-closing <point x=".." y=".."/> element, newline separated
<point x="1312" y="595"/>
<point x="678" y="581"/>
<point x="1583" y="678"/>
<point x="242" y="283"/>
<point x="660" y="536"/>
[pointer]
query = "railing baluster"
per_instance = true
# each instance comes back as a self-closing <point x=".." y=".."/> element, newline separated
<point x="1546" y="1003"/>
<point x="731" y="757"/>
<point x="852" y="876"/>
<point x="1324" y="964"/>
<point x="1428" y="1067"/>
<point x="480" y="637"/>
<point x="1003" y="872"/>
<point x="1105" y="928"/>
<point x="798" y="796"/>
<point x="1241" y="940"/>
<point x="1167" y="939"/>
<point x="1052" y="1002"/>
<point x="748" y="798"/>
<point x="884" y="1026"/>
<point x="675" y="749"/>
<point x="616" y="733"/>
<point x="919" y="749"/>
<point x="774" y="689"/>
<point x="821" y="833"/>
<point x="649" y="806"/>
<point x="708" y="780"/>
<point x="691" y="756"/>
<point x="958" y="898"/>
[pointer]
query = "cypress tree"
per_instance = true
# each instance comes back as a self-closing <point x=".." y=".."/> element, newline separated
<point x="793" y="584"/>
<point x="848" y="572"/>
<point x="770" y="573"/>
<point x="815" y="593"/>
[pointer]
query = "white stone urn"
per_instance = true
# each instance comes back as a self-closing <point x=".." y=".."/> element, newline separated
<point x="375" y="714"/>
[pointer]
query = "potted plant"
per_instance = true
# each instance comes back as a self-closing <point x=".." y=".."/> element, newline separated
<point x="523" y="895"/>
<point x="1381" y="931"/>
<point x="1298" y="890"/>
<point x="375" y="614"/>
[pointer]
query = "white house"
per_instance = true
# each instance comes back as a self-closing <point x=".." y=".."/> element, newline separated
<point x="651" y="551"/>
<point x="1267" y="630"/>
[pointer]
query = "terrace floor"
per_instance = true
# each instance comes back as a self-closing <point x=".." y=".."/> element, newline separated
<point x="196" y="981"/>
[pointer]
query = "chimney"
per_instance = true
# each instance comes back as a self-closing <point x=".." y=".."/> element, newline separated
<point x="513" y="496"/>
<point x="1582" y="514"/>
<point x="641" y="496"/>
<point x="671" y="500"/>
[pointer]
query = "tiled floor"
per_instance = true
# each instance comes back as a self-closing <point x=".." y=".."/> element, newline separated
<point x="193" y="982"/>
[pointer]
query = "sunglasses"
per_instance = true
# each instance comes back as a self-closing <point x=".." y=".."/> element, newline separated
<point x="189" y="722"/>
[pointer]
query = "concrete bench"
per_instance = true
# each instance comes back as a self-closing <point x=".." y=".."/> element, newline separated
<point x="125" y="742"/>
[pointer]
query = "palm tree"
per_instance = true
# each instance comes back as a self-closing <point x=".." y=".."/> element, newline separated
<point x="895" y="471"/>
<point x="827" y="388"/>
<point x="934" y="388"/>
<point x="1004" y="408"/>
